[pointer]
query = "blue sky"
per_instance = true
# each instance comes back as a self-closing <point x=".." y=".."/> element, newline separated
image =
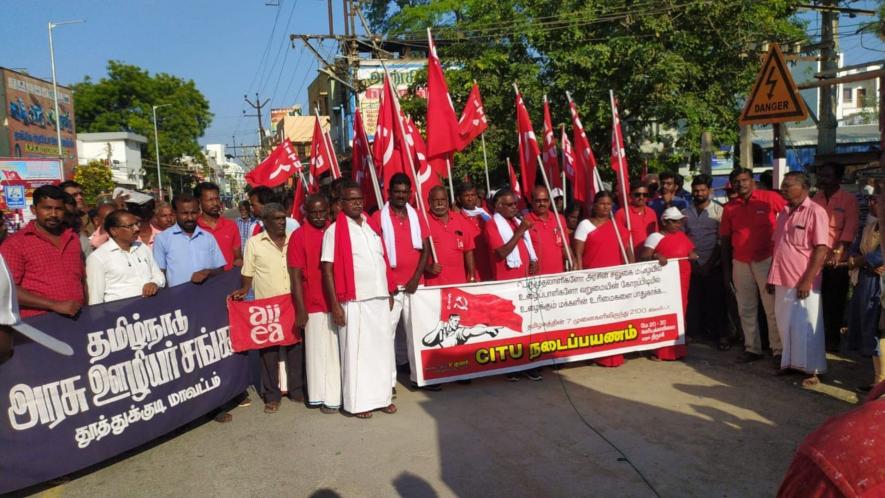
<point x="220" y="44"/>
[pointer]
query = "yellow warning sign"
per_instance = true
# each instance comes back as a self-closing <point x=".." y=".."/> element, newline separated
<point x="775" y="98"/>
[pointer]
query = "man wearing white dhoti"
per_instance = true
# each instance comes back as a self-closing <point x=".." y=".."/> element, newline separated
<point x="355" y="283"/>
<point x="801" y="238"/>
<point x="321" y="351"/>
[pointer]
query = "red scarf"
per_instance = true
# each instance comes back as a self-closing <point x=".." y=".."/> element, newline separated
<point x="345" y="286"/>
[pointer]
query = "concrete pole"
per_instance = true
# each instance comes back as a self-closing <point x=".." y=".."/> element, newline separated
<point x="826" y="128"/>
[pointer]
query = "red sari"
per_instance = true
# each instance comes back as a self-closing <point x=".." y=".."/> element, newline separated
<point x="601" y="250"/>
<point x="677" y="245"/>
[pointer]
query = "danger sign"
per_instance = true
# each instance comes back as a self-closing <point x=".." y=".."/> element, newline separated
<point x="775" y="98"/>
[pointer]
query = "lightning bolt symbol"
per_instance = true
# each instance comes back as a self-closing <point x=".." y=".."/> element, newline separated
<point x="770" y="82"/>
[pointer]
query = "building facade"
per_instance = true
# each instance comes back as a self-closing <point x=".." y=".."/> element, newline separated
<point x="123" y="151"/>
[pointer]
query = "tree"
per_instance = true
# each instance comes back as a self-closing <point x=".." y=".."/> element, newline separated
<point x="679" y="65"/>
<point x="96" y="179"/>
<point x="124" y="100"/>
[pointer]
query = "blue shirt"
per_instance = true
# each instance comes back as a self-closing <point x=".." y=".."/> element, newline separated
<point x="180" y="255"/>
<point x="246" y="227"/>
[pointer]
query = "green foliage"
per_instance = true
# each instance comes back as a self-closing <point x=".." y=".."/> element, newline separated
<point x="682" y="65"/>
<point x="123" y="101"/>
<point x="96" y="179"/>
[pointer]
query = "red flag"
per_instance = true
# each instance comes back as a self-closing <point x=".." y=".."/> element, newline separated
<point x="427" y="177"/>
<point x="322" y="157"/>
<point x="479" y="309"/>
<point x="528" y="148"/>
<point x="387" y="159"/>
<point x="262" y="323"/>
<point x="514" y="181"/>
<point x="336" y="170"/>
<point x="298" y="201"/>
<point x="584" y="180"/>
<point x="473" y="118"/>
<point x="619" y="157"/>
<point x="282" y="163"/>
<point x="361" y="163"/>
<point x="443" y="135"/>
<point x="548" y="156"/>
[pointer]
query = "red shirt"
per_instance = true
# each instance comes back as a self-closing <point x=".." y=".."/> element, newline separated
<point x="500" y="271"/>
<point x="481" y="264"/>
<point x="750" y="224"/>
<point x="40" y="267"/>
<point x="227" y="235"/>
<point x="407" y="257"/>
<point x="451" y="240"/>
<point x="642" y="224"/>
<point x="305" y="249"/>
<point x="548" y="242"/>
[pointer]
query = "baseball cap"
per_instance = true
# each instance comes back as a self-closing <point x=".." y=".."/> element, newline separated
<point x="672" y="213"/>
<point x="557" y="192"/>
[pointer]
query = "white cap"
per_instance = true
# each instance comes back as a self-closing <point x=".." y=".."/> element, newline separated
<point x="672" y="213"/>
<point x="557" y="192"/>
<point x="132" y="196"/>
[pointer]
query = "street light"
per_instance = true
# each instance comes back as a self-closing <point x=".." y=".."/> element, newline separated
<point x="157" y="144"/>
<point x="55" y="84"/>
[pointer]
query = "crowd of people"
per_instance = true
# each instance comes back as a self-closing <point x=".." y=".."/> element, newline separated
<point x="774" y="267"/>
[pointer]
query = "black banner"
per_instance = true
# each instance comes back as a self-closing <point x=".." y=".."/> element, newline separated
<point x="141" y="368"/>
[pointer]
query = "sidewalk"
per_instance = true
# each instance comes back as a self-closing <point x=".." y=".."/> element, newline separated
<point x="704" y="427"/>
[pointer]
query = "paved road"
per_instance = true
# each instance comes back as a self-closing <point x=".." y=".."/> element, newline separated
<point x="704" y="427"/>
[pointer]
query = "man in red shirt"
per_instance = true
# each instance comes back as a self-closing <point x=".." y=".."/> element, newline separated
<point x="546" y="234"/>
<point x="844" y="218"/>
<point x="476" y="216"/>
<point x="407" y="252"/>
<point x="453" y="241"/>
<point x="510" y="248"/>
<point x="44" y="259"/>
<point x="323" y="363"/>
<point x="746" y="240"/>
<point x="643" y="220"/>
<point x="212" y="220"/>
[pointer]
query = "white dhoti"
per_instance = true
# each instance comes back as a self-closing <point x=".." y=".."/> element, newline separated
<point x="800" y="323"/>
<point x="401" y="334"/>
<point x="366" y="355"/>
<point x="323" y="361"/>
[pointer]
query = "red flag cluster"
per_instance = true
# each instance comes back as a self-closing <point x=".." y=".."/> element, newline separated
<point x="282" y="163"/>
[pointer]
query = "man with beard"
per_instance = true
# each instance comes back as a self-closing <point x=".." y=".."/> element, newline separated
<point x="45" y="260"/>
<point x="706" y="299"/>
<point x="186" y="252"/>
<point x="453" y="240"/>
<point x="75" y="190"/>
<point x="74" y="221"/>
<point x="842" y="212"/>
<point x="212" y="220"/>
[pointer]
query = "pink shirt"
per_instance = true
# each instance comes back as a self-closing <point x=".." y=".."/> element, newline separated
<point x="842" y="213"/>
<point x="796" y="234"/>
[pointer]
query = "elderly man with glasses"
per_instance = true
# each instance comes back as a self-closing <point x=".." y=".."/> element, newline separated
<point x="123" y="266"/>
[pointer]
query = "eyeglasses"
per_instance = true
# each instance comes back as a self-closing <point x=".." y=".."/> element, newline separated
<point x="130" y="226"/>
<point x="637" y="195"/>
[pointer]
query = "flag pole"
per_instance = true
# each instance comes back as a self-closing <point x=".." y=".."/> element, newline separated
<point x="620" y="177"/>
<point x="568" y="250"/>
<point x="402" y="129"/>
<point x="451" y="184"/>
<point x="562" y="167"/>
<point x="327" y="141"/>
<point x="611" y="214"/>
<point x="485" y="159"/>
<point x="375" y="185"/>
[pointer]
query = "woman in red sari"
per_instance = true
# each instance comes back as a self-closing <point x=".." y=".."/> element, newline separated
<point x="671" y="242"/>
<point x="597" y="245"/>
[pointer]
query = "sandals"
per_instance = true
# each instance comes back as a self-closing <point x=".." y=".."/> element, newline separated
<point x="271" y="407"/>
<point x="363" y="415"/>
<point x="223" y="418"/>
<point x="810" y="381"/>
<point x="389" y="409"/>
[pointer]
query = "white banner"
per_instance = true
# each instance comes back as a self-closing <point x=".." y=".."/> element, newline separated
<point x="475" y="330"/>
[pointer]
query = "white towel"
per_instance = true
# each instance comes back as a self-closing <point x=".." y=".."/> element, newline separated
<point x="513" y="259"/>
<point x="478" y="211"/>
<point x="387" y="231"/>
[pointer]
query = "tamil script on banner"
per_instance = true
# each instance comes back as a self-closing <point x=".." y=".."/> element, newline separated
<point x="141" y="368"/>
<point x="466" y="331"/>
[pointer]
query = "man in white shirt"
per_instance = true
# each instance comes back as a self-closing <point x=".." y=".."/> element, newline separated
<point x="355" y="282"/>
<point x="123" y="266"/>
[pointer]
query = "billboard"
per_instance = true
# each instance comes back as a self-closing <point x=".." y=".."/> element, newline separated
<point x="371" y="77"/>
<point x="30" y="118"/>
<point x="18" y="179"/>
